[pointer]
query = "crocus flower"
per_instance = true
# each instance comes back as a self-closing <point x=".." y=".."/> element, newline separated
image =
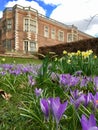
<point x="89" y="98"/>
<point x="84" y="82"/>
<point x="95" y="81"/>
<point x="76" y="94"/>
<point x="73" y="81"/>
<point x="78" y="73"/>
<point x="38" y="92"/>
<point x="64" y="79"/>
<point x="57" y="108"/>
<point x="45" y="107"/>
<point x="81" y="99"/>
<point x="88" y="124"/>
<point x="95" y="100"/>
<point x="15" y="72"/>
<point x="31" y="80"/>
<point x="3" y="73"/>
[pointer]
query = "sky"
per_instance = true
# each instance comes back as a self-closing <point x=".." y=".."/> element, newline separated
<point x="81" y="13"/>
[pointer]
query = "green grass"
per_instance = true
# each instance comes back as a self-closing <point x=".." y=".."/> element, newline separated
<point x="10" y="118"/>
<point x="16" y="60"/>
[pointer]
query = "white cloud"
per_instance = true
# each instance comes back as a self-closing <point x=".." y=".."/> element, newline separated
<point x="25" y="3"/>
<point x="92" y="30"/>
<point x="76" y="12"/>
<point x="1" y="14"/>
<point x="52" y="2"/>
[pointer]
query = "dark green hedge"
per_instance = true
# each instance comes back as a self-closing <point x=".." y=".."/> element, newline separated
<point x="81" y="45"/>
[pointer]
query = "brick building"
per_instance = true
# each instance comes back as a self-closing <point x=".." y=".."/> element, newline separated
<point x="24" y="29"/>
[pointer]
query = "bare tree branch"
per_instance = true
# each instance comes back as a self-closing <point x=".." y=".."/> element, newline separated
<point x="91" y="19"/>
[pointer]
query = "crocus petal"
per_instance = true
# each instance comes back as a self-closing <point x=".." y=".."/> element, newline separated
<point x="84" y="123"/>
<point x="89" y="98"/>
<point x="58" y="108"/>
<point x="60" y="111"/>
<point x="55" y="104"/>
<point x="44" y="107"/>
<point x="88" y="124"/>
<point x="92" y="121"/>
<point x="93" y="128"/>
<point x="81" y="99"/>
<point x="38" y="92"/>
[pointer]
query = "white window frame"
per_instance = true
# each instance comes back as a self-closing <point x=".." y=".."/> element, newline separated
<point x="32" y="46"/>
<point x="69" y="37"/>
<point x="29" y="46"/>
<point x="26" y="45"/>
<point x="9" y="24"/>
<point x="53" y="33"/>
<point x="30" y="25"/>
<point x="61" y="35"/>
<point x="46" y="31"/>
<point x="73" y="37"/>
<point x="26" y="24"/>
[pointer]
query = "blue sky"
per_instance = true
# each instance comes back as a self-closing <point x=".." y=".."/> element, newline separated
<point x="81" y="13"/>
<point x="48" y="7"/>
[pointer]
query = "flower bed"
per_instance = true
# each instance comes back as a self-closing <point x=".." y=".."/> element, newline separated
<point x="59" y="94"/>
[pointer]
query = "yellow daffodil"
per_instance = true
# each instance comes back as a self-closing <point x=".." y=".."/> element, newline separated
<point x="64" y="52"/>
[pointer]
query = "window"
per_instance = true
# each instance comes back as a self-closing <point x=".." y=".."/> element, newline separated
<point x="9" y="24"/>
<point x="26" y="46"/>
<point x="61" y="36"/>
<point x="32" y="46"/>
<point x="29" y="25"/>
<point x="29" y="46"/>
<point x="7" y="45"/>
<point x="69" y="39"/>
<point x="4" y="44"/>
<point x="33" y="26"/>
<point x="53" y="33"/>
<point x="75" y="38"/>
<point x="26" y="25"/>
<point x="72" y="37"/>
<point x="46" y="31"/>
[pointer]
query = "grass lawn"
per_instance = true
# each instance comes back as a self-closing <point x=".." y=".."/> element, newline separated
<point x="16" y="86"/>
<point x="16" y="60"/>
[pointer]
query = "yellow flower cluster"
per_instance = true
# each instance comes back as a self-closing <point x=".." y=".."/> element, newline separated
<point x="87" y="53"/>
<point x="84" y="54"/>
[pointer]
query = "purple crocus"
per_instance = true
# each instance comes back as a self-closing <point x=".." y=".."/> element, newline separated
<point x="45" y="107"/>
<point x="3" y="73"/>
<point x="88" y="124"/>
<point x="31" y="80"/>
<point x="75" y="94"/>
<point x="95" y="100"/>
<point x="73" y="81"/>
<point x="68" y="80"/>
<point x="38" y="92"/>
<point x="57" y="108"/>
<point x="15" y="72"/>
<point x="65" y="79"/>
<point x="89" y="98"/>
<point x="84" y="82"/>
<point x="95" y="81"/>
<point x="81" y="99"/>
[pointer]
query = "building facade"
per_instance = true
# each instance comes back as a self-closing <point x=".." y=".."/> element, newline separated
<point x="24" y="29"/>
